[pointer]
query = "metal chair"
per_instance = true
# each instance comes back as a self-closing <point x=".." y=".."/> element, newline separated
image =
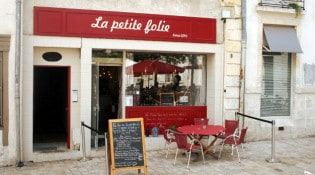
<point x="234" y="140"/>
<point x="169" y="139"/>
<point x="184" y="142"/>
<point x="231" y="126"/>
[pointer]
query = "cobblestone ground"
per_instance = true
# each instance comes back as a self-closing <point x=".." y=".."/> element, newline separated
<point x="295" y="157"/>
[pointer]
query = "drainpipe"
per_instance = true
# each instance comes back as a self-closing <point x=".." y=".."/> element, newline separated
<point x="243" y="60"/>
<point x="17" y="83"/>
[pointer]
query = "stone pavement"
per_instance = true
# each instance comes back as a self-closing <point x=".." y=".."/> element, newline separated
<point x="295" y="157"/>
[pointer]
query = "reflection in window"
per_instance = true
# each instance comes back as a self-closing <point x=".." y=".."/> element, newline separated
<point x="165" y="79"/>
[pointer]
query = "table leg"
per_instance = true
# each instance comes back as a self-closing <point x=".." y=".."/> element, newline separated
<point x="206" y="150"/>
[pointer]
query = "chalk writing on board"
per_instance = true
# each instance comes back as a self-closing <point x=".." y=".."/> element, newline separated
<point x="127" y="138"/>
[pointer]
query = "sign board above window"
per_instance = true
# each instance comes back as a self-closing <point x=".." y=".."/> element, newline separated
<point x="121" y="25"/>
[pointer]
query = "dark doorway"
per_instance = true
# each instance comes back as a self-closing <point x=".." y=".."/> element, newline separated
<point x="51" y="106"/>
<point x="109" y="80"/>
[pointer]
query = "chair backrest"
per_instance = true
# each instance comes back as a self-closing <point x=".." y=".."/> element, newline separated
<point x="230" y="126"/>
<point x="167" y="135"/>
<point x="242" y="136"/>
<point x="236" y="139"/>
<point x="201" y="121"/>
<point x="181" y="140"/>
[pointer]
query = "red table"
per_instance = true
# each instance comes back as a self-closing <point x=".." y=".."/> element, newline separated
<point x="207" y="130"/>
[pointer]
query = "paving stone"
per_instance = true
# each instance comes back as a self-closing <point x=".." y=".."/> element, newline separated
<point x="293" y="156"/>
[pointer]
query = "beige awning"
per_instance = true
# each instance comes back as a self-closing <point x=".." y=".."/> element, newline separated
<point x="282" y="39"/>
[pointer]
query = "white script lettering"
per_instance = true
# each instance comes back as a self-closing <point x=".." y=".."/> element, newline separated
<point x="126" y="25"/>
<point x="160" y="27"/>
<point x="99" y="23"/>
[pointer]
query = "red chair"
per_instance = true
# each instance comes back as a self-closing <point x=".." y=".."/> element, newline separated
<point x="231" y="126"/>
<point x="234" y="140"/>
<point x="185" y="143"/>
<point x="169" y="138"/>
<point x="201" y="121"/>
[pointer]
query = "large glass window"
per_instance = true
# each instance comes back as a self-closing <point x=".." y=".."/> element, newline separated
<point x="276" y="87"/>
<point x="165" y="79"/>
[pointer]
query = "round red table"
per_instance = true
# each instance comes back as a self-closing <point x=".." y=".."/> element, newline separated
<point x="203" y="130"/>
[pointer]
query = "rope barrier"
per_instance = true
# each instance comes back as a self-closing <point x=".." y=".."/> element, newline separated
<point x="83" y="143"/>
<point x="272" y="159"/>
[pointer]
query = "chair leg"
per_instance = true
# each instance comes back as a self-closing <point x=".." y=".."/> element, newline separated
<point x="232" y="150"/>
<point x="168" y="148"/>
<point x="189" y="154"/>
<point x="238" y="155"/>
<point x="175" y="156"/>
<point x="221" y="150"/>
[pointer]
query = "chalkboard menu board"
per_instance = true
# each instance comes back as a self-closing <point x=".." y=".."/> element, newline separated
<point x="167" y="99"/>
<point x="127" y="146"/>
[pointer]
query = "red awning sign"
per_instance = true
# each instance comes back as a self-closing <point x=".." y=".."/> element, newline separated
<point x="122" y="25"/>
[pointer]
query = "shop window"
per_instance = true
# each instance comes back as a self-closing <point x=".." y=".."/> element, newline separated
<point x="165" y="79"/>
<point x="276" y="84"/>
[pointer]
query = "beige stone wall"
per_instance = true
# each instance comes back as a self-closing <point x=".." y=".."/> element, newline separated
<point x="232" y="60"/>
<point x="7" y="45"/>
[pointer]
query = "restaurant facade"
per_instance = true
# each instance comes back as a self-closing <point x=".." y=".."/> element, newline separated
<point x="88" y="62"/>
<point x="91" y="62"/>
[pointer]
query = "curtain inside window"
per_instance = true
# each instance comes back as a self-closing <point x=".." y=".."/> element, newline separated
<point x="276" y="89"/>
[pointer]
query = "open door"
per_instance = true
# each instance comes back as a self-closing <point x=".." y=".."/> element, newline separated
<point x="106" y="82"/>
<point x="51" y="108"/>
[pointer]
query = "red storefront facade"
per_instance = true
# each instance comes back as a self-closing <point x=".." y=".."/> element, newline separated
<point x="132" y="26"/>
<point x="122" y="25"/>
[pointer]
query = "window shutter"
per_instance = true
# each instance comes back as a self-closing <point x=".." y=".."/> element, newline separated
<point x="276" y="89"/>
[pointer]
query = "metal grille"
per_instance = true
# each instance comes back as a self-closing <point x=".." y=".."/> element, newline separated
<point x="282" y="3"/>
<point x="276" y="89"/>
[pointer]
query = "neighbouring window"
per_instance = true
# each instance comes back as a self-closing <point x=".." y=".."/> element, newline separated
<point x="165" y="79"/>
<point x="276" y="84"/>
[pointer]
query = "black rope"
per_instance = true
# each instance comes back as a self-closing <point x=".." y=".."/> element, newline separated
<point x="92" y="129"/>
<point x="263" y="120"/>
